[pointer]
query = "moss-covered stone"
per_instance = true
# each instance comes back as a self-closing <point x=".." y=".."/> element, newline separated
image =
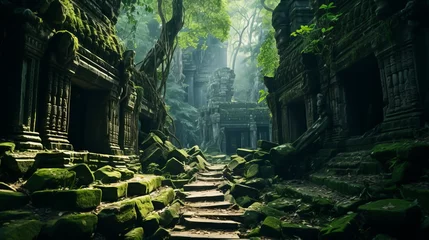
<point x="242" y="152"/>
<point x="283" y="204"/>
<point x="252" y="171"/>
<point x="200" y="162"/>
<point x="391" y="214"/>
<point x="113" y="192"/>
<point x="12" y="200"/>
<point x="144" y="206"/>
<point x="193" y="150"/>
<point x="245" y="201"/>
<point x="266" y="145"/>
<point x="266" y="172"/>
<point x="126" y="174"/>
<point x="151" y="223"/>
<point x="413" y="151"/>
<point x="160" y="234"/>
<point x="239" y="190"/>
<point x="257" y="183"/>
<point x="179" y="154"/>
<point x="70" y="227"/>
<point x="257" y="212"/>
<point x="134" y="234"/>
<point x="271" y="227"/>
<point x="50" y="178"/>
<point x="279" y="153"/>
<point x="154" y="154"/>
<point x="174" y="167"/>
<point x="414" y="192"/>
<point x="170" y="216"/>
<point x="299" y="230"/>
<point x="67" y="200"/>
<point x="21" y="230"/>
<point x="151" y="139"/>
<point x="107" y="174"/>
<point x="340" y="228"/>
<point x="6" y="147"/>
<point x="117" y="218"/>
<point x="6" y="216"/>
<point x="405" y="172"/>
<point x="165" y="197"/>
<point x="256" y="232"/>
<point x="144" y="186"/>
<point x="84" y="175"/>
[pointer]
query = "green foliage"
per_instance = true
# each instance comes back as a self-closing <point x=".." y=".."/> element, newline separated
<point x="268" y="58"/>
<point x="262" y="95"/>
<point x="315" y="36"/>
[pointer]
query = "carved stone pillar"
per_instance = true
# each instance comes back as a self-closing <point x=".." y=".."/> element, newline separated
<point x="253" y="132"/>
<point x="128" y="126"/>
<point x="56" y="86"/>
<point x="285" y="122"/>
<point x="300" y="13"/>
<point x="113" y="120"/>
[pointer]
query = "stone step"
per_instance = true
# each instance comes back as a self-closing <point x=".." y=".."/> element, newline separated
<point x="205" y="196"/>
<point x="197" y="234"/>
<point x="200" y="186"/>
<point x="220" y="214"/>
<point x="210" y="179"/>
<point x="210" y="205"/>
<point x="215" y="168"/>
<point x="211" y="174"/>
<point x="206" y="223"/>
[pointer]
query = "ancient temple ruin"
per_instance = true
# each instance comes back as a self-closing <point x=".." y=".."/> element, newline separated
<point x="67" y="82"/>
<point x="225" y="125"/>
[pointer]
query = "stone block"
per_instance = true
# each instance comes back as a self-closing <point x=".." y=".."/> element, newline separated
<point x="84" y="175"/>
<point x="163" y="199"/>
<point x="341" y="228"/>
<point x="70" y="227"/>
<point x="144" y="207"/>
<point x="117" y="218"/>
<point x="50" y="178"/>
<point x="134" y="234"/>
<point x="21" y="230"/>
<point x="107" y="174"/>
<point x="151" y="223"/>
<point x="271" y="227"/>
<point x="113" y="192"/>
<point x="242" y="152"/>
<point x="239" y="190"/>
<point x="12" y="200"/>
<point x="126" y="174"/>
<point x="266" y="145"/>
<point x="300" y="230"/>
<point x="67" y="200"/>
<point x="170" y="216"/>
<point x="179" y="154"/>
<point x="174" y="167"/>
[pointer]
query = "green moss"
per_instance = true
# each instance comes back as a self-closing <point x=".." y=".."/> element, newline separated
<point x="117" y="218"/>
<point x="405" y="150"/>
<point x="165" y="197"/>
<point x="147" y="185"/>
<point x="283" y="204"/>
<point x="144" y="206"/>
<point x="50" y="178"/>
<point x="340" y="228"/>
<point x="12" y="200"/>
<point x="174" y="167"/>
<point x="245" y="201"/>
<point x="112" y="193"/>
<point x="69" y="227"/>
<point x="135" y="234"/>
<point x="252" y="171"/>
<point x="21" y="230"/>
<point x="271" y="227"/>
<point x="68" y="200"/>
<point x="107" y="174"/>
<point x="84" y="175"/>
<point x="6" y="216"/>
<point x="151" y="223"/>
<point x="125" y="173"/>
<point x="6" y="147"/>
<point x="170" y="216"/>
<point x="256" y="232"/>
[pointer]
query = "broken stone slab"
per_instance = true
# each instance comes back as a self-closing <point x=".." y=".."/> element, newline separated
<point x="200" y="162"/>
<point x="117" y="218"/>
<point x="170" y="216"/>
<point x="179" y="154"/>
<point x="107" y="174"/>
<point x="257" y="212"/>
<point x="239" y="190"/>
<point x="211" y="174"/>
<point x="12" y="200"/>
<point x="126" y="174"/>
<point x="266" y="145"/>
<point x="50" y="178"/>
<point x="151" y="223"/>
<point x="261" y="155"/>
<point x="271" y="227"/>
<point x="134" y="234"/>
<point x="341" y="228"/>
<point x="143" y="206"/>
<point x="84" y="175"/>
<point x="283" y="204"/>
<point x="281" y="152"/>
<point x="391" y="215"/>
<point x="221" y="214"/>
<point x="143" y="185"/>
<point x="242" y="152"/>
<point x="151" y="139"/>
<point x="67" y="200"/>
<point x="193" y="150"/>
<point x="164" y="198"/>
<point x="21" y="230"/>
<point x="245" y="201"/>
<point x="12" y="215"/>
<point x="414" y="151"/>
<point x="206" y="196"/>
<point x="210" y="179"/>
<point x="210" y="205"/>
<point x="69" y="227"/>
<point x="199" y="186"/>
<point x="252" y="171"/>
<point x="113" y="192"/>
<point x="156" y="153"/>
<point x="203" y="223"/>
<point x="237" y="165"/>
<point x="218" y="167"/>
<point x="174" y="167"/>
<point x="301" y="230"/>
<point x="18" y="164"/>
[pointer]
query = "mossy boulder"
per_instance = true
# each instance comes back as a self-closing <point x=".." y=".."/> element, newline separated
<point x="117" y="218"/>
<point x="341" y="228"/>
<point x="283" y="204"/>
<point x="257" y="212"/>
<point x="252" y="171"/>
<point x="134" y="234"/>
<point x="266" y="145"/>
<point x="245" y="201"/>
<point x="70" y="227"/>
<point x="107" y="174"/>
<point x="170" y="216"/>
<point x="67" y="200"/>
<point x="239" y="190"/>
<point x="151" y="223"/>
<point x="279" y="153"/>
<point x="151" y="139"/>
<point x="257" y="183"/>
<point x="193" y="150"/>
<point x="50" y="178"/>
<point x="113" y="192"/>
<point x="156" y="153"/>
<point x="242" y="152"/>
<point x="179" y="154"/>
<point x="84" y="175"/>
<point x="299" y="230"/>
<point x="6" y="216"/>
<point x="145" y="185"/>
<point x="413" y="151"/>
<point x="144" y="207"/>
<point x="12" y="200"/>
<point x="256" y="232"/>
<point x="271" y="227"/>
<point x="126" y="174"/>
<point x="21" y="230"/>
<point x="174" y="167"/>
<point x="391" y="214"/>
<point x="165" y="197"/>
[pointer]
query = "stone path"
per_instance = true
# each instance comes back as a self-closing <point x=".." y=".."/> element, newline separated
<point x="206" y="214"/>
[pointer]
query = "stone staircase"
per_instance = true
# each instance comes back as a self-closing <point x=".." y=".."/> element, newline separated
<point x="206" y="213"/>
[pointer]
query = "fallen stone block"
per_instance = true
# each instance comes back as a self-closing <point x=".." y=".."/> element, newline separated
<point x="21" y="230"/>
<point x="113" y="192"/>
<point x="134" y="234"/>
<point x="151" y="223"/>
<point x="18" y="164"/>
<point x="170" y="216"/>
<point x="266" y="145"/>
<point x="179" y="154"/>
<point x="107" y="174"/>
<point x="242" y="152"/>
<point x="50" y="178"/>
<point x="144" y="186"/>
<point x="117" y="218"/>
<point x="174" y="167"/>
<point x="165" y="197"/>
<point x="341" y="228"/>
<point x="271" y="227"/>
<point x="84" y="175"/>
<point x="239" y="190"/>
<point x="12" y="200"/>
<point x="126" y="174"/>
<point x="67" y="200"/>
<point x="70" y="227"/>
<point x="144" y="207"/>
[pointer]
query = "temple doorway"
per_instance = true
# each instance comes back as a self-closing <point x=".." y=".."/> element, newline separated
<point x="236" y="138"/>
<point x="297" y="119"/>
<point x="263" y="133"/>
<point x="364" y="96"/>
<point x="87" y="128"/>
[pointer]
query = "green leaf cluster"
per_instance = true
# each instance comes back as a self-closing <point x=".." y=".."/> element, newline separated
<point x="268" y="58"/>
